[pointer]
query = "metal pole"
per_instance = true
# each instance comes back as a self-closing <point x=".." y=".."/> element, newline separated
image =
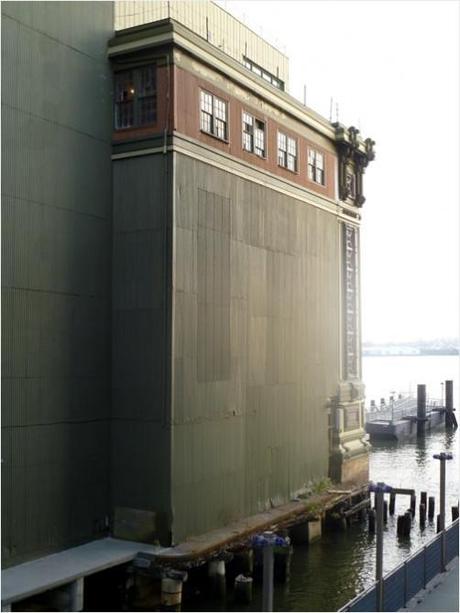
<point x="442" y="503"/>
<point x="267" y="595"/>
<point x="379" y="549"/>
<point x="267" y="541"/>
<point x="442" y="513"/>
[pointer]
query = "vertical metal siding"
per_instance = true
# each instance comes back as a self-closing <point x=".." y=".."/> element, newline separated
<point x="433" y="559"/>
<point x="249" y="415"/>
<point x="415" y="574"/>
<point x="211" y="22"/>
<point x="141" y="413"/>
<point x="56" y="215"/>
<point x="393" y="599"/>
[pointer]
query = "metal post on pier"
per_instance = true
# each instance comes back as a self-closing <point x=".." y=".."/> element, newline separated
<point x="379" y="490"/>
<point x="267" y="541"/>
<point x="443" y="456"/>
<point x="421" y="409"/>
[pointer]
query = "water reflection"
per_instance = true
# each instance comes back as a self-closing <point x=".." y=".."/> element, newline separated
<point x="333" y="570"/>
<point x="420" y="451"/>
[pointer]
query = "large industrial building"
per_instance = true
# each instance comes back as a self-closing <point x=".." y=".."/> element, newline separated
<point x="180" y="272"/>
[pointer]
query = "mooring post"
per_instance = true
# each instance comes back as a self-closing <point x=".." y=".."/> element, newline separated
<point x="423" y="499"/>
<point x="449" y="405"/>
<point x="400" y="525"/>
<point x="430" y="508"/>
<point x="243" y="589"/>
<point x="422" y="515"/>
<point x="407" y="522"/>
<point x="454" y="513"/>
<point x="282" y="561"/>
<point x="216" y="573"/>
<point x="171" y="589"/>
<point x="371" y="520"/>
<point x="412" y="504"/>
<point x="379" y="490"/>
<point x="442" y="457"/>
<point x="267" y="541"/>
<point x="385" y="511"/>
<point x="392" y="503"/>
<point x="421" y="409"/>
<point x="267" y="582"/>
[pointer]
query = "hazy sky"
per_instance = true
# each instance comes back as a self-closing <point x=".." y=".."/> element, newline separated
<point x="393" y="67"/>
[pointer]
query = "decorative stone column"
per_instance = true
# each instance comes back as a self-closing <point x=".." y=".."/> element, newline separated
<point x="349" y="462"/>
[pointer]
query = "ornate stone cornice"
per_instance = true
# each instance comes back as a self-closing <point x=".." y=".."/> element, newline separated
<point x="354" y="156"/>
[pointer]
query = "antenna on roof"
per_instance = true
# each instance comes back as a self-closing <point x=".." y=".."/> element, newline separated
<point x="337" y="112"/>
<point x="305" y="95"/>
<point x="330" y="109"/>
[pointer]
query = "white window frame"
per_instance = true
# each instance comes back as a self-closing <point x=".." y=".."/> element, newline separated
<point x="253" y="134"/>
<point x="316" y="171"/>
<point x="287" y="152"/>
<point x="214" y="111"/>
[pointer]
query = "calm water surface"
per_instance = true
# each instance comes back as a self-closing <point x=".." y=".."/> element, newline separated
<point x="332" y="571"/>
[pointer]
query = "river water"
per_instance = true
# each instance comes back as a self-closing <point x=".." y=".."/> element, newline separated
<point x="328" y="573"/>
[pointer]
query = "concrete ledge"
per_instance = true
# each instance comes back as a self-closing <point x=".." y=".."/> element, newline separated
<point x="25" y="580"/>
<point x="205" y="545"/>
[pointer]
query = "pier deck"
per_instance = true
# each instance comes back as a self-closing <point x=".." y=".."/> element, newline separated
<point x="58" y="569"/>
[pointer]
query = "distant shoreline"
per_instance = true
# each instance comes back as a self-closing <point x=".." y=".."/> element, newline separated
<point x="421" y="353"/>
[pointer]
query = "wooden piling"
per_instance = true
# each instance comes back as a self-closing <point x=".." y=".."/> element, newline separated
<point x="423" y="499"/>
<point x="438" y="523"/>
<point x="400" y="525"/>
<point x="371" y="520"/>
<point x="430" y="508"/>
<point x="454" y="513"/>
<point x="392" y="503"/>
<point x="407" y="522"/>
<point x="412" y="504"/>
<point x="385" y="511"/>
<point x="243" y="589"/>
<point x="422" y="515"/>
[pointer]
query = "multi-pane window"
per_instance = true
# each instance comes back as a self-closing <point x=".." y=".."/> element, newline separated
<point x="316" y="166"/>
<point x="253" y="135"/>
<point x="287" y="152"/>
<point x="213" y="115"/>
<point x="135" y="97"/>
<point x="261" y="72"/>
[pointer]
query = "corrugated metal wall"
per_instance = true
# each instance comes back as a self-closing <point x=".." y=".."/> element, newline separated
<point x="211" y="22"/>
<point x="256" y="336"/>
<point x="141" y="430"/>
<point x="56" y="235"/>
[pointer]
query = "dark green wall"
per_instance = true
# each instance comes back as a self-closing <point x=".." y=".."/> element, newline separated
<point x="229" y="416"/>
<point x="56" y="246"/>
<point x="141" y="430"/>
<point x="256" y="337"/>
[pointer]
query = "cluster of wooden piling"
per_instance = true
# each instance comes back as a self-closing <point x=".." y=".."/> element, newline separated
<point x="404" y="521"/>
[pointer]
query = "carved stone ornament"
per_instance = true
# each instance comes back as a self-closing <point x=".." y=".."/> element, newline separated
<point x="354" y="156"/>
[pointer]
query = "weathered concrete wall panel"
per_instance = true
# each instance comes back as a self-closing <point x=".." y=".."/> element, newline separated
<point x="56" y="216"/>
<point x="249" y="406"/>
